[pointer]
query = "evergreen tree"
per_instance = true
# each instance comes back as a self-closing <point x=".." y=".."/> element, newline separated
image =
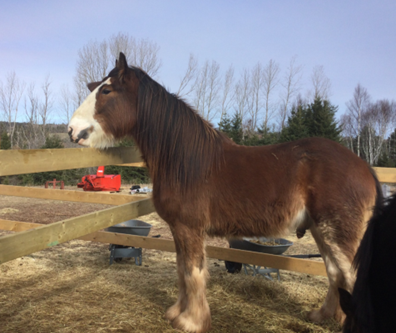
<point x="131" y="175"/>
<point x="52" y="142"/>
<point x="232" y="127"/>
<point x="225" y="124"/>
<point x="392" y="146"/>
<point x="268" y="137"/>
<point x="236" y="133"/>
<point x="252" y="140"/>
<point x="384" y="161"/>
<point x="297" y="127"/>
<point x="320" y="120"/>
<point x="5" y="141"/>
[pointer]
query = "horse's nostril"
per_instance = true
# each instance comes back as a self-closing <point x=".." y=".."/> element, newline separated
<point x="70" y="132"/>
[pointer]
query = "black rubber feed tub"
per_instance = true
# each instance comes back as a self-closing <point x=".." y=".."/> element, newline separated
<point x="131" y="227"/>
<point x="248" y="244"/>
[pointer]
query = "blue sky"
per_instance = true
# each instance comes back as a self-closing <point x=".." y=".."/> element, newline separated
<point x="355" y="41"/>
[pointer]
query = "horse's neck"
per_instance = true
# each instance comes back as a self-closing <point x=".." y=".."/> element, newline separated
<point x="184" y="154"/>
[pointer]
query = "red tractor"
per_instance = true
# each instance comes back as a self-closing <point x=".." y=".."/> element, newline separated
<point x="100" y="182"/>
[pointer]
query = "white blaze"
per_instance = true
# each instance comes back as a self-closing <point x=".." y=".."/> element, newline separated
<point x="83" y="119"/>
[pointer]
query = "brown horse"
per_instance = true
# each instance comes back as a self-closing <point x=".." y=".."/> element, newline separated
<point x="204" y="184"/>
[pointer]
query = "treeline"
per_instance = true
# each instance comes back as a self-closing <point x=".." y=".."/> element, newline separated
<point x="316" y="119"/>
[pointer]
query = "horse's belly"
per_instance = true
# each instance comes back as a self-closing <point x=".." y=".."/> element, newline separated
<point x="272" y="222"/>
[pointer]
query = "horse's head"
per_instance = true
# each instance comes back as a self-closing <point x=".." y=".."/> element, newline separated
<point x="109" y="111"/>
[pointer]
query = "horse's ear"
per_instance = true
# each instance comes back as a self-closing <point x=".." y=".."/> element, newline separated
<point x="93" y="85"/>
<point x="122" y="66"/>
<point x="346" y="301"/>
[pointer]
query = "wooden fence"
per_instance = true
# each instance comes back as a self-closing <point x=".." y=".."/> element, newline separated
<point x="31" y="237"/>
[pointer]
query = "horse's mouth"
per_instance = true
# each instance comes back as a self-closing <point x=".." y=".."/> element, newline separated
<point x="82" y="136"/>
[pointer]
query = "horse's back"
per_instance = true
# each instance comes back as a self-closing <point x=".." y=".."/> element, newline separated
<point x="316" y="165"/>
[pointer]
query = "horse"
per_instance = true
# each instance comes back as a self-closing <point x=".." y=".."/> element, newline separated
<point x="205" y="184"/>
<point x="372" y="305"/>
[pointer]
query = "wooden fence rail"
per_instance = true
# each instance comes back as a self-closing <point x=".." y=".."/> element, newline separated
<point x="246" y="257"/>
<point x="17" y="162"/>
<point x="26" y="242"/>
<point x="67" y="195"/>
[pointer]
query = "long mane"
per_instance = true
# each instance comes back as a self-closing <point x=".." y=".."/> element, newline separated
<point x="179" y="147"/>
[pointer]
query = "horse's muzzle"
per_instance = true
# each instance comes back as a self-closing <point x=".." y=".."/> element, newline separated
<point x="82" y="135"/>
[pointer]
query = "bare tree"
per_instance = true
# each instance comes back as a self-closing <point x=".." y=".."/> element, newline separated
<point x="95" y="59"/>
<point x="46" y="105"/>
<point x="93" y="62"/>
<point x="30" y="134"/>
<point x="139" y="52"/>
<point x="121" y="43"/>
<point x="257" y="86"/>
<point x="80" y="91"/>
<point x="145" y="56"/>
<point x="376" y="122"/>
<point x="321" y="83"/>
<point x="227" y="92"/>
<point x="243" y="101"/>
<point x="291" y="86"/>
<point x="356" y="107"/>
<point x="10" y="96"/>
<point x="271" y="73"/>
<point x="348" y="130"/>
<point x="200" y="88"/>
<point x="189" y="77"/>
<point x="207" y="89"/>
<point x="66" y="104"/>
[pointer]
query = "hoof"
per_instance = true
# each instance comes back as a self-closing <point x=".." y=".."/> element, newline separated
<point x="316" y="316"/>
<point x="173" y="312"/>
<point x="189" y="323"/>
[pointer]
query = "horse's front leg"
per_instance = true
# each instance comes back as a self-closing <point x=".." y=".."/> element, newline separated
<point x="191" y="311"/>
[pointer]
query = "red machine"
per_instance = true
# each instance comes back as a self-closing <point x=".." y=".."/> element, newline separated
<point x="100" y="182"/>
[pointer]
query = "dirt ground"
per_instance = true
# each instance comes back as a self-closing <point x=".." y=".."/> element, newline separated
<point x="72" y="287"/>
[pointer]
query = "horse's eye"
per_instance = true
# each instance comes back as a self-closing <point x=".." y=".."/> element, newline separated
<point x="106" y="91"/>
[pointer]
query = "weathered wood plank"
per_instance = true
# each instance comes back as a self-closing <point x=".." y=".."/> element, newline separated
<point x="386" y="175"/>
<point x="268" y="260"/>
<point x="17" y="226"/>
<point x="136" y="165"/>
<point x="29" y="241"/>
<point x="16" y="162"/>
<point x="115" y="199"/>
<point x="247" y="257"/>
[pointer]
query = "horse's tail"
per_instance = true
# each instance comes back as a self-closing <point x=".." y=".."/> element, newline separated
<point x="363" y="255"/>
<point x="362" y="262"/>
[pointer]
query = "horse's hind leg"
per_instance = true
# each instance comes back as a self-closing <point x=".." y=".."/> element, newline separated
<point x="191" y="311"/>
<point x="340" y="275"/>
